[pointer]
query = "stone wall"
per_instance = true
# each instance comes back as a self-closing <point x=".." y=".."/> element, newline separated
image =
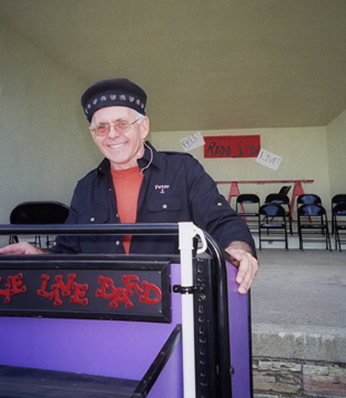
<point x="299" y="364"/>
<point x="282" y="378"/>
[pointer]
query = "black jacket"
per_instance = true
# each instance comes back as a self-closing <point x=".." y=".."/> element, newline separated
<point x="175" y="188"/>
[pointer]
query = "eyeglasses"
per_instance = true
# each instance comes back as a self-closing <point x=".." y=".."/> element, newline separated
<point x="120" y="126"/>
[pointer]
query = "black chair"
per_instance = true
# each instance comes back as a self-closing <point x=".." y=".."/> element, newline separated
<point x="247" y="206"/>
<point x="336" y="199"/>
<point x="273" y="218"/>
<point x="339" y="222"/>
<point x="284" y="190"/>
<point x="38" y="213"/>
<point x="283" y="200"/>
<point x="312" y="220"/>
<point x="308" y="199"/>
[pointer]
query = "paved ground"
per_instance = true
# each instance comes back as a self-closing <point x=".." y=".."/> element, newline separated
<point x="299" y="305"/>
<point x="300" y="288"/>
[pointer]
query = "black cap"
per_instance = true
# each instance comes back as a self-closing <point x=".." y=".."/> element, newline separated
<point x="113" y="92"/>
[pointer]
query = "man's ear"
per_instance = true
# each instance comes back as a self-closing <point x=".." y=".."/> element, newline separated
<point x="145" y="127"/>
<point x="92" y="133"/>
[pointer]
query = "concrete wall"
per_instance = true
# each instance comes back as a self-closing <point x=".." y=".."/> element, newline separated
<point x="336" y="139"/>
<point x="304" y="152"/>
<point x="45" y="143"/>
<point x="46" y="147"/>
<point x="283" y="378"/>
<point x="291" y="361"/>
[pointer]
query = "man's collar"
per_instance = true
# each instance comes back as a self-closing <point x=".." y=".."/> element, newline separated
<point x="149" y="158"/>
<point x="104" y="166"/>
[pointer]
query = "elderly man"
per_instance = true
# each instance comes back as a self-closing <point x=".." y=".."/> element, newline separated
<point x="135" y="183"/>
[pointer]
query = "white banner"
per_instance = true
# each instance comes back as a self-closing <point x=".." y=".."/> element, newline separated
<point x="192" y="141"/>
<point x="268" y="159"/>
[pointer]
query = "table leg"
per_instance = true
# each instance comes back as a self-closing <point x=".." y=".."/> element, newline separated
<point x="234" y="191"/>
<point x="298" y="190"/>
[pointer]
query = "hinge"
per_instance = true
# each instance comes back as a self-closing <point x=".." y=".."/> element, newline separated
<point x="187" y="289"/>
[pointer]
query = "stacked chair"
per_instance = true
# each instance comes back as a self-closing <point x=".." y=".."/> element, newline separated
<point x="284" y="201"/>
<point x="273" y="218"/>
<point x="312" y="221"/>
<point x="337" y="199"/>
<point x="339" y="220"/>
<point x="285" y="189"/>
<point x="308" y="198"/>
<point x="248" y="205"/>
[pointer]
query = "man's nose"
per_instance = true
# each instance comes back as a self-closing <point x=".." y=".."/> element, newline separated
<point x="112" y="131"/>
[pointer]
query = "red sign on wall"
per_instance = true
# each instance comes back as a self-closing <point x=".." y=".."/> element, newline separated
<point x="232" y="146"/>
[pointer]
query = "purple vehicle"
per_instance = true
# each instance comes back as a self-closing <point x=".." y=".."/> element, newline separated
<point x="124" y="326"/>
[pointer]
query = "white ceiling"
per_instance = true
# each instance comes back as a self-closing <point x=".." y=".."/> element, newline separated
<point x="205" y="64"/>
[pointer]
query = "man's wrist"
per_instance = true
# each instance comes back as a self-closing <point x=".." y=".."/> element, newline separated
<point x="240" y="245"/>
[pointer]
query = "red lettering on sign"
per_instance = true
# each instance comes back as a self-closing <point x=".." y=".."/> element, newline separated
<point x="13" y="286"/>
<point x="79" y="294"/>
<point x="43" y="291"/>
<point x="131" y="282"/>
<point x="107" y="286"/>
<point x="63" y="289"/>
<point x="121" y="295"/>
<point x="133" y="287"/>
<point x="16" y="284"/>
<point x="6" y="292"/>
<point x="56" y="295"/>
<point x="110" y="292"/>
<point x="148" y="288"/>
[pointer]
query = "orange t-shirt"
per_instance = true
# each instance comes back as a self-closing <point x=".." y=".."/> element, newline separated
<point x="127" y="184"/>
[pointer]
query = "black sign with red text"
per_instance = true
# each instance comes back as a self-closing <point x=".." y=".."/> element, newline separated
<point x="106" y="290"/>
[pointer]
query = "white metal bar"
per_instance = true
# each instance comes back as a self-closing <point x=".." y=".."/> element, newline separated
<point x="187" y="231"/>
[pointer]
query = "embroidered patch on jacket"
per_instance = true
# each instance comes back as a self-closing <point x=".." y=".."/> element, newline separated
<point x="162" y="188"/>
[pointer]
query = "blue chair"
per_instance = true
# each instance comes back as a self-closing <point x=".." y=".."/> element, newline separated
<point x="312" y="220"/>
<point x="339" y="222"/>
<point x="336" y="199"/>
<point x="307" y="199"/>
<point x="247" y="206"/>
<point x="284" y="201"/>
<point x="273" y="218"/>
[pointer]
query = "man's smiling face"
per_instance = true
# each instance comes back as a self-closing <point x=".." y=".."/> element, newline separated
<point x="121" y="149"/>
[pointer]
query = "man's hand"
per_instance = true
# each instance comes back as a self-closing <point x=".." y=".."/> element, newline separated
<point x="247" y="264"/>
<point x="21" y="248"/>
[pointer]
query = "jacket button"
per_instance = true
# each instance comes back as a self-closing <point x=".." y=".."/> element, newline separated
<point x="219" y="204"/>
<point x="117" y="242"/>
<point x="92" y="219"/>
<point x="164" y="206"/>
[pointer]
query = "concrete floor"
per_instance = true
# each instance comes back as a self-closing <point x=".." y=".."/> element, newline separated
<point x="300" y="288"/>
<point x="298" y="302"/>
